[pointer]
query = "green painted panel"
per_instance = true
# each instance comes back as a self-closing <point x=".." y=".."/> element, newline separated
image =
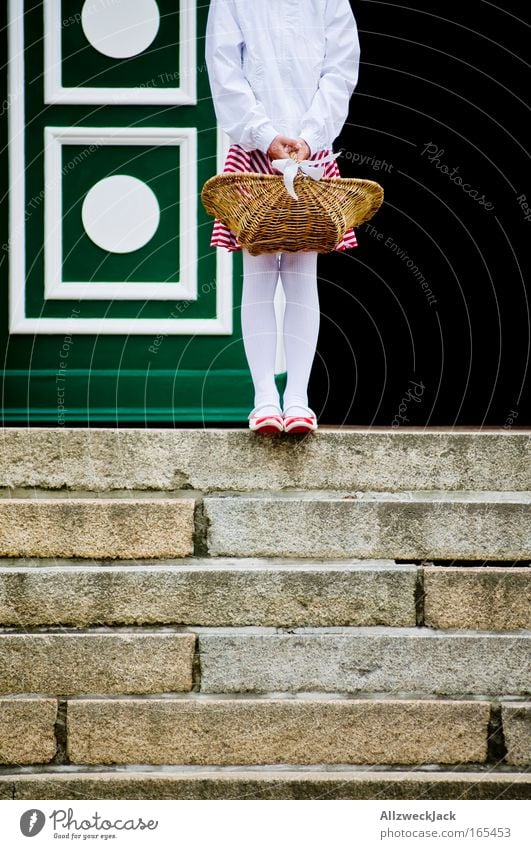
<point x="143" y="378"/>
<point x="177" y="395"/>
<point x="155" y="261"/>
<point x="157" y="67"/>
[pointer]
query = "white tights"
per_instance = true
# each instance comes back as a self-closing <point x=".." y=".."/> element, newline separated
<point x="298" y="272"/>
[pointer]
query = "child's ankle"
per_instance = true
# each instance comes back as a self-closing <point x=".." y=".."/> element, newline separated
<point x="298" y="405"/>
<point x="267" y="406"/>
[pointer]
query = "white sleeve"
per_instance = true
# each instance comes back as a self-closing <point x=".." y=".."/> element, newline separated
<point x="328" y="111"/>
<point x="236" y="107"/>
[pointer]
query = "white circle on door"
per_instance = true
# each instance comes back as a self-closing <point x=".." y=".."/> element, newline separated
<point x="120" y="28"/>
<point x="120" y="213"/>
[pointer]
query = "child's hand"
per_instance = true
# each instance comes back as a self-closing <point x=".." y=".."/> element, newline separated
<point x="281" y="147"/>
<point x="302" y="149"/>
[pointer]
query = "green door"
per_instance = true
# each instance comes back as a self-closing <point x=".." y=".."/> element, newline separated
<point x="115" y="307"/>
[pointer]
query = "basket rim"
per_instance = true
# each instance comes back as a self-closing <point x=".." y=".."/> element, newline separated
<point x="258" y="177"/>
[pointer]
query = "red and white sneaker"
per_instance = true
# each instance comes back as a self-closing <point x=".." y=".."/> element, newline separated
<point x="268" y="423"/>
<point x="299" y="423"/>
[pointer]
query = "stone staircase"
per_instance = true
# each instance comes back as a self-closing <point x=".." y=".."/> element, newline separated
<point x="215" y="614"/>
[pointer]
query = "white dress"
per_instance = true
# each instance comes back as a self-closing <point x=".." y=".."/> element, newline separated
<point x="281" y="66"/>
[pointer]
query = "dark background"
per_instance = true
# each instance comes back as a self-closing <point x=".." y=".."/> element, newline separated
<point x="455" y="76"/>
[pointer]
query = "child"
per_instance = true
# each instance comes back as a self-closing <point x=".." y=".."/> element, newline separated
<point x="281" y="74"/>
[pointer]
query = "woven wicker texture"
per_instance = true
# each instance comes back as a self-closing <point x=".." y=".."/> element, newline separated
<point x="266" y="219"/>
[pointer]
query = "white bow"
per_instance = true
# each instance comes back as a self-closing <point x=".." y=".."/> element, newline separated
<point x="313" y="169"/>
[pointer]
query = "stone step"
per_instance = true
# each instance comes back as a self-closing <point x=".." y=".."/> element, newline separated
<point x="265" y="783"/>
<point x="487" y="597"/>
<point x="84" y="524"/>
<point x="308" y="729"/>
<point x="516" y="719"/>
<point x="316" y="524"/>
<point x="273" y="592"/>
<point x="127" y="661"/>
<point x="375" y="660"/>
<point x="365" y="660"/>
<point x="372" y="459"/>
<point x="27" y="730"/>
<point x="207" y="591"/>
<point x="426" y="524"/>
<point x="200" y="731"/>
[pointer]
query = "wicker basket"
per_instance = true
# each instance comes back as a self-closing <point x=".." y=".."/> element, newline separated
<point x="266" y="219"/>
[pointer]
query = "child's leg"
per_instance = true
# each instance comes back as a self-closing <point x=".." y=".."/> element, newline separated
<point x="298" y="273"/>
<point x="259" y="326"/>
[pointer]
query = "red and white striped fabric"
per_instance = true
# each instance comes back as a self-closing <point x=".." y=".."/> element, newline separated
<point x="255" y="161"/>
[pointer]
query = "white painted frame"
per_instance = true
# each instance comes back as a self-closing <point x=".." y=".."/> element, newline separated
<point x="184" y="94"/>
<point x="54" y="287"/>
<point x="222" y="324"/>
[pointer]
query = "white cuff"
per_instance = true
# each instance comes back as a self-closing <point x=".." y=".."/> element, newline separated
<point x="263" y="136"/>
<point x="313" y="140"/>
